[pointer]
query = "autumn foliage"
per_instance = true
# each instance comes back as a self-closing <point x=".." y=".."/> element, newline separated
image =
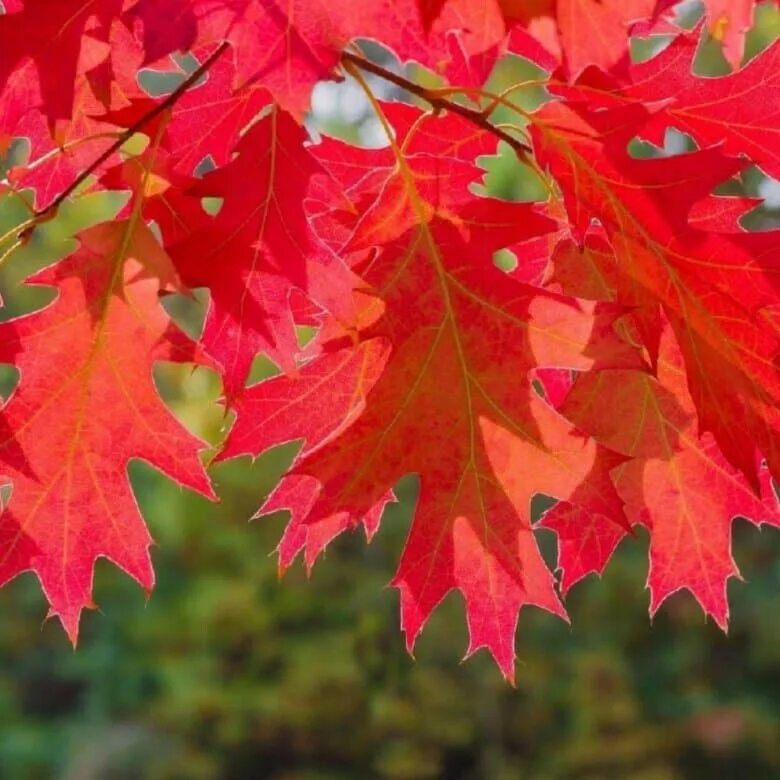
<point x="627" y="367"/>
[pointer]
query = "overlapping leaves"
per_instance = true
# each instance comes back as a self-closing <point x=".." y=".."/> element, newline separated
<point x="627" y="368"/>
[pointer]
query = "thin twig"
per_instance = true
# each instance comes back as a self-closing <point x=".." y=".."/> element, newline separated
<point x="169" y="101"/>
<point x="438" y="102"/>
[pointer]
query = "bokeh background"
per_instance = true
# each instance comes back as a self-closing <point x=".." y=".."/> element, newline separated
<point x="228" y="673"/>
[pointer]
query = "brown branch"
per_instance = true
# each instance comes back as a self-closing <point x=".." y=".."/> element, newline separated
<point x="169" y="101"/>
<point x="438" y="102"/>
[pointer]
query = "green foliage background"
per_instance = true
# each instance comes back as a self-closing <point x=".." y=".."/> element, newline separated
<point x="226" y="673"/>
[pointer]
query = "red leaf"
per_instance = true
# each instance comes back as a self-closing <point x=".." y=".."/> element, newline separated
<point x="442" y="298"/>
<point x="72" y="427"/>
<point x="208" y="120"/>
<point x="586" y="541"/>
<point x="282" y="409"/>
<point x="678" y="484"/>
<point x="429" y="11"/>
<point x="256" y="249"/>
<point x="596" y="32"/>
<point x="741" y="110"/>
<point x="51" y="35"/>
<point x="662" y="259"/>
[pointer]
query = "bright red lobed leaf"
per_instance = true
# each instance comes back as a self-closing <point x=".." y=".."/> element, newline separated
<point x="678" y="484"/>
<point x="72" y="426"/>
<point x="52" y="37"/>
<point x="440" y="302"/>
<point x="280" y="410"/>
<point x="596" y="33"/>
<point x="257" y="248"/>
<point x="663" y="260"/>
<point x="741" y="110"/>
<point x="208" y="120"/>
<point x="586" y="541"/>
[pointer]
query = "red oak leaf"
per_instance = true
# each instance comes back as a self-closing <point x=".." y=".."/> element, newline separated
<point x="285" y="46"/>
<point x="586" y="541"/>
<point x="579" y="33"/>
<point x="365" y="176"/>
<point x="51" y="35"/>
<point x="208" y="120"/>
<point x="596" y="33"/>
<point x="297" y="494"/>
<point x="256" y="249"/>
<point x="55" y="160"/>
<point x="280" y="410"/>
<point x="59" y="150"/>
<point x="741" y="110"/>
<point x="443" y="302"/>
<point x="168" y="26"/>
<point x="678" y="484"/>
<point x="73" y="425"/>
<point x="642" y="205"/>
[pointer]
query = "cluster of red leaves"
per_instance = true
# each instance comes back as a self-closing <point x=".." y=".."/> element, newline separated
<point x="627" y="367"/>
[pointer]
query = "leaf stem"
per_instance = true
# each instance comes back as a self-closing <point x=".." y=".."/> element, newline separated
<point x="169" y="101"/>
<point x="439" y="102"/>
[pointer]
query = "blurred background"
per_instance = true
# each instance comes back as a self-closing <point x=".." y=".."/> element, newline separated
<point x="226" y="673"/>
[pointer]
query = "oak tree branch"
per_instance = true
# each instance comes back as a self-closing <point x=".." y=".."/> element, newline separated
<point x="439" y="102"/>
<point x="169" y="101"/>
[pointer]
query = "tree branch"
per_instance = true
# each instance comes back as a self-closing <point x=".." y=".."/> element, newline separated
<point x="169" y="101"/>
<point x="438" y="102"/>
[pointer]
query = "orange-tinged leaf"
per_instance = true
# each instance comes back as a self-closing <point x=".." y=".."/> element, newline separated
<point x="595" y="32"/>
<point x="475" y="430"/>
<point x="370" y="204"/>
